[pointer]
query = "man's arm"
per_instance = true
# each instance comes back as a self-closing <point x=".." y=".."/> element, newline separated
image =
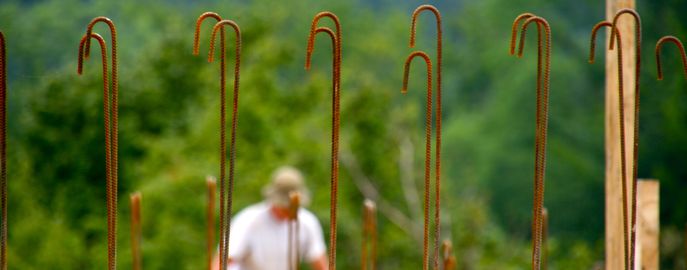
<point x="320" y="263"/>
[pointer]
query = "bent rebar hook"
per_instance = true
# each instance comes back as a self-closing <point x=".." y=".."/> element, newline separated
<point x="621" y="121"/>
<point x="110" y="104"/>
<point x="336" y="87"/>
<point x="428" y="145"/>
<point x="638" y="50"/>
<point x="437" y="164"/>
<point x="541" y="124"/>
<point x="3" y="152"/>
<point x="224" y="257"/>
<point x="681" y="50"/>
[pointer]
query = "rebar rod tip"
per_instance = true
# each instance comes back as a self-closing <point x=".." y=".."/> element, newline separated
<point x="220" y="26"/>
<point x="370" y="204"/>
<point x="196" y="35"/>
<point x="514" y="30"/>
<point x="638" y="23"/>
<point x="416" y="13"/>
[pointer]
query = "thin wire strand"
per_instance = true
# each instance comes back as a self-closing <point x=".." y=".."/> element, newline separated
<point x="428" y="145"/>
<point x="234" y="122"/>
<point x="438" y="115"/>
<point x="336" y="88"/>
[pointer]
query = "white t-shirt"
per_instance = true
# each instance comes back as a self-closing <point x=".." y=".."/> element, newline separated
<point x="259" y="241"/>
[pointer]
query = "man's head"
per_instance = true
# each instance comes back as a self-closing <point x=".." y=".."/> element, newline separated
<point x="285" y="181"/>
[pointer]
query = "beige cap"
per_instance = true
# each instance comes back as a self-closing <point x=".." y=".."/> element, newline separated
<point x="286" y="180"/>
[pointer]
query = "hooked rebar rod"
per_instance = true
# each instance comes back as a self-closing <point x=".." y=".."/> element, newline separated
<point x="224" y="257"/>
<point x="638" y="50"/>
<point x="543" y="84"/>
<point x="681" y="50"/>
<point x="621" y="126"/>
<point x="438" y="114"/>
<point x="222" y="132"/>
<point x="428" y="145"/>
<point x="336" y="87"/>
<point x="111" y="111"/>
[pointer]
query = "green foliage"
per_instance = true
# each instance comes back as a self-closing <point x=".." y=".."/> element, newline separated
<point x="169" y="128"/>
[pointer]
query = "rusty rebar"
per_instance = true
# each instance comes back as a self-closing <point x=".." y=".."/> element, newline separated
<point x="222" y="132"/>
<point x="681" y="50"/>
<point x="428" y="145"/>
<point x="621" y="126"/>
<point x="293" y="251"/>
<point x="368" y="258"/>
<point x="224" y="257"/>
<point x="543" y="84"/>
<point x="450" y="260"/>
<point x="438" y="114"/>
<point x="136" y="231"/>
<point x="336" y="88"/>
<point x="3" y="152"/>
<point x="638" y="50"/>
<point x="110" y="104"/>
<point x="514" y="30"/>
<point x="210" y="245"/>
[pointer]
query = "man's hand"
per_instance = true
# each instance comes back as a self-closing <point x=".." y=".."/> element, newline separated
<point x="320" y="263"/>
<point x="215" y="262"/>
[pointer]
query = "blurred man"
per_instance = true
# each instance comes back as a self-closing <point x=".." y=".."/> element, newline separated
<point x="259" y="233"/>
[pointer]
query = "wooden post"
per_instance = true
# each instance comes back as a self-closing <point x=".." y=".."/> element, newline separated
<point x="136" y="230"/>
<point x="614" y="215"/>
<point x="369" y="257"/>
<point x="212" y="186"/>
<point x="648" y="224"/>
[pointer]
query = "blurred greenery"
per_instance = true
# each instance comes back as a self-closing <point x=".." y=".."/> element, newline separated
<point x="169" y="123"/>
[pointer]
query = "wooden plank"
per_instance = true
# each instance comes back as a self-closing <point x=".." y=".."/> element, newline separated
<point x="648" y="224"/>
<point x="614" y="215"/>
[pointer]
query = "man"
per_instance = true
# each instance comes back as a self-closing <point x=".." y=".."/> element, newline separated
<point x="259" y="237"/>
